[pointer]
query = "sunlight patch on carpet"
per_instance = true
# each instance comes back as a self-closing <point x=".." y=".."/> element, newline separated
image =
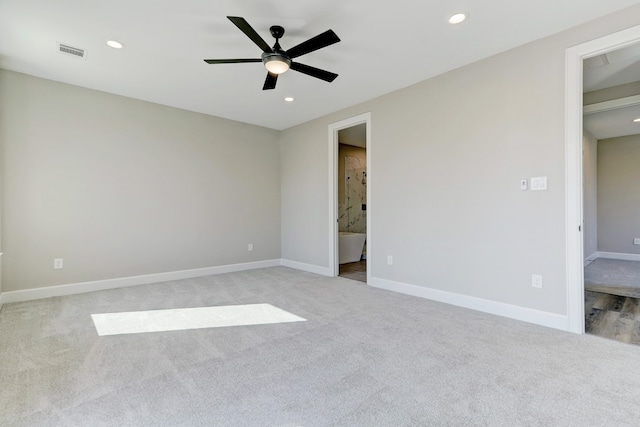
<point x="178" y="319"/>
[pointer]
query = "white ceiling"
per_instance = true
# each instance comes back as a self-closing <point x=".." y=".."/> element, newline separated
<point x="355" y="135"/>
<point x="385" y="46"/>
<point x="613" y="123"/>
<point x="615" y="68"/>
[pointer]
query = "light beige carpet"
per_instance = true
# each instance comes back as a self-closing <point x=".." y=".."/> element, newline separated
<point x="364" y="357"/>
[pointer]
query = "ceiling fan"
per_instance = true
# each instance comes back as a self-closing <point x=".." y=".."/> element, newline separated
<point x="278" y="61"/>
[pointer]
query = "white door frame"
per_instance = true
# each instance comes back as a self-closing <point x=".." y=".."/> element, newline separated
<point x="334" y="265"/>
<point x="573" y="164"/>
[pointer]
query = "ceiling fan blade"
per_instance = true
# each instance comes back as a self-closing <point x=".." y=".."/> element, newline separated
<point x="230" y="61"/>
<point x="318" y="42"/>
<point x="270" y="81"/>
<point x="244" y="26"/>
<point x="314" y="72"/>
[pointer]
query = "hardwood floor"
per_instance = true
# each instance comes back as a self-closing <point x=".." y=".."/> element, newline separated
<point x="610" y="316"/>
<point x="354" y="270"/>
<point x="612" y="299"/>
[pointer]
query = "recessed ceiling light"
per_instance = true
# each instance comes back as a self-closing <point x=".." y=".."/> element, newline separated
<point x="457" y="18"/>
<point x="115" y="44"/>
<point x="637" y="120"/>
<point x="289" y="99"/>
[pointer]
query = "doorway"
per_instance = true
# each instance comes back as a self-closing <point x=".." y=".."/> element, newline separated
<point x="352" y="202"/>
<point x="350" y="245"/>
<point x="574" y="167"/>
<point x="611" y="196"/>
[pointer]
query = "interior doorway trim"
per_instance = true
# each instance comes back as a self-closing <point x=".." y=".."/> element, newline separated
<point x="573" y="164"/>
<point x="334" y="265"/>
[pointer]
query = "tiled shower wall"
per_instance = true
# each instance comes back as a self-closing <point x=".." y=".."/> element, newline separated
<point x="352" y="212"/>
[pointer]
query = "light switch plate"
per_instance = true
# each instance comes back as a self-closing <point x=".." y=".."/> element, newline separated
<point x="523" y="184"/>
<point x="538" y="183"/>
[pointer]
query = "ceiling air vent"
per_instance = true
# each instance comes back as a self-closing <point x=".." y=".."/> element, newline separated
<point x="72" y="51"/>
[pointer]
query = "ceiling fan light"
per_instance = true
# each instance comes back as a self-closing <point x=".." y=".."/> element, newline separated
<point x="276" y="64"/>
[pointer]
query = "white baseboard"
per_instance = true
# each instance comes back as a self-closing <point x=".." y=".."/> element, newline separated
<point x="543" y="318"/>
<point x="100" y="285"/>
<point x="621" y="256"/>
<point x="324" y="271"/>
<point x="588" y="260"/>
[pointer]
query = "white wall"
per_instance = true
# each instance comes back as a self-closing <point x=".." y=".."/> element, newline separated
<point x="590" y="194"/>
<point x="619" y="194"/>
<point x="447" y="158"/>
<point x="119" y="187"/>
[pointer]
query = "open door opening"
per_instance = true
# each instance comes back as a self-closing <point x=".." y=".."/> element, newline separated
<point x="350" y="197"/>
<point x="574" y="166"/>
<point x="352" y="202"/>
<point x="611" y="194"/>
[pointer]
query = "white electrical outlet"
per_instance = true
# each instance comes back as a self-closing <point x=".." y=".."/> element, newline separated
<point x="250" y="247"/>
<point x="58" y="263"/>
<point x="536" y="280"/>
<point x="389" y="260"/>
<point x="636" y="240"/>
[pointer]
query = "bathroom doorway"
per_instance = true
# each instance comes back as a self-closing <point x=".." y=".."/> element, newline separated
<point x="350" y="198"/>
<point x="352" y="202"/>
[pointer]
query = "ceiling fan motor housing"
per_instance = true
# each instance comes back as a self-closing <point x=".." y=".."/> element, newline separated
<point x="277" y="31"/>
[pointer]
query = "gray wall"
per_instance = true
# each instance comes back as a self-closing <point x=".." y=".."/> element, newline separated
<point x="590" y="194"/>
<point x="619" y="194"/>
<point x="447" y="157"/>
<point x="119" y="187"/>
<point x="304" y="194"/>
